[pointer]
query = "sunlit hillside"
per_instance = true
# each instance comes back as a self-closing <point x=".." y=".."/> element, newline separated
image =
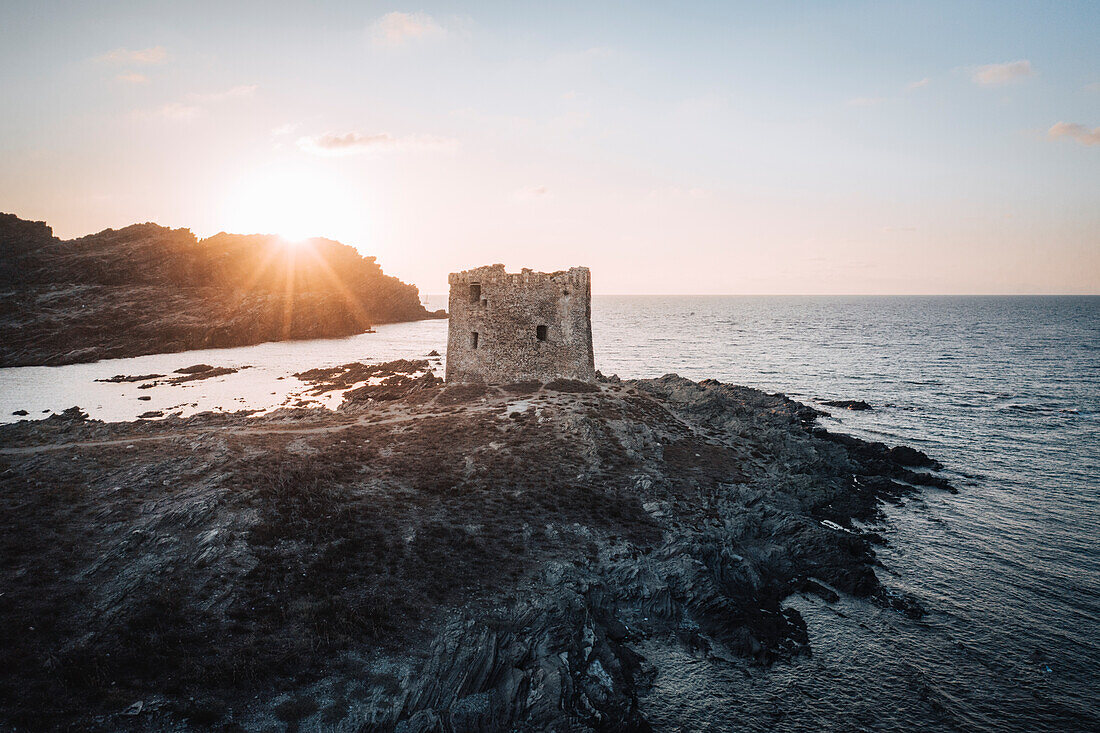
<point x="146" y="288"/>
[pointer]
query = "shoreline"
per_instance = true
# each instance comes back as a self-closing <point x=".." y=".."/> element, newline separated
<point x="92" y="355"/>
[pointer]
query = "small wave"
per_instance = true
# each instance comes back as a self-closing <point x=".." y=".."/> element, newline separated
<point x="1046" y="409"/>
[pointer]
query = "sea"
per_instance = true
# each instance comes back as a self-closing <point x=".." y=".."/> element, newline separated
<point x="1004" y="391"/>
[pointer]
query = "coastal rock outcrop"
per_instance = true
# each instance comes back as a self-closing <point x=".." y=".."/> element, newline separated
<point x="437" y="558"/>
<point x="848" y="404"/>
<point x="148" y="289"/>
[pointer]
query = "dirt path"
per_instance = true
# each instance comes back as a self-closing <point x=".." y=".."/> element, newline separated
<point x="363" y="421"/>
<point x="258" y="430"/>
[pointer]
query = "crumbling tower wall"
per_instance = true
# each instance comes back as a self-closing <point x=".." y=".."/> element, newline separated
<point x="514" y="327"/>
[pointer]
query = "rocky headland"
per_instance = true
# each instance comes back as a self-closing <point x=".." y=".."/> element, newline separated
<point x="148" y="289"/>
<point x="426" y="557"/>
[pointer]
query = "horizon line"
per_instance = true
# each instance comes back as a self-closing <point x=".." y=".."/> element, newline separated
<point x="831" y="295"/>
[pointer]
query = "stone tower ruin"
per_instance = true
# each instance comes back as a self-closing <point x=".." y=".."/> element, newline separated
<point x="515" y="327"/>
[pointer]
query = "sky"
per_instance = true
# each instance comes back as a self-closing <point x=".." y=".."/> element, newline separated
<point x="689" y="147"/>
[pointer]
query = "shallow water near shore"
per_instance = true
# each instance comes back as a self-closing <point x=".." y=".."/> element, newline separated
<point x="1004" y="391"/>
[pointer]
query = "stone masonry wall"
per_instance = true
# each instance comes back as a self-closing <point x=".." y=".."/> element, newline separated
<point x="513" y="327"/>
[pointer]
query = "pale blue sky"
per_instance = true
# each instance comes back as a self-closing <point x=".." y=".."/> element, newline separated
<point x="855" y="147"/>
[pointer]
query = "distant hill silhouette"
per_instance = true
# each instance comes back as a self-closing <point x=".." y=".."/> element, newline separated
<point x="149" y="289"/>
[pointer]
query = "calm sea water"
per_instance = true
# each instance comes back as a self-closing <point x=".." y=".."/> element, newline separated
<point x="1004" y="391"/>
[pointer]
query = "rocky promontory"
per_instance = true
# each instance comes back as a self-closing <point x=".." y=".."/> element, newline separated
<point x="427" y="557"/>
<point x="148" y="289"/>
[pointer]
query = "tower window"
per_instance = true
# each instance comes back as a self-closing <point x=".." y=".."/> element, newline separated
<point x="473" y="339"/>
<point x="540" y="333"/>
<point x="475" y="292"/>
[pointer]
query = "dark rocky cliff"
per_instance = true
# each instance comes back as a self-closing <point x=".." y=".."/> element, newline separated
<point x="147" y="289"/>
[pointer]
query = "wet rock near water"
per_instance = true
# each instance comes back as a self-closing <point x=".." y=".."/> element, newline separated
<point x="187" y="374"/>
<point x="125" y="378"/>
<point x="427" y="557"/>
<point x="195" y="369"/>
<point x="200" y="371"/>
<point x="389" y="380"/>
<point x="848" y="404"/>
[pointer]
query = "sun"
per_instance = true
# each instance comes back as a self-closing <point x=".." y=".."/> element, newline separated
<point x="292" y="244"/>
<point x="295" y="202"/>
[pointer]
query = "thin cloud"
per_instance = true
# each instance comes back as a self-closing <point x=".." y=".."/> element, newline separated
<point x="280" y="136"/>
<point x="195" y="104"/>
<point x="355" y="143"/>
<point x="282" y="130"/>
<point x="993" y="75"/>
<point x="1093" y="87"/>
<point x="237" y="92"/>
<point x="140" y="57"/>
<point x="396" y="29"/>
<point x="1077" y="132"/>
<point x="132" y="78"/>
<point x="918" y="84"/>
<point x="531" y="193"/>
<point x="350" y="142"/>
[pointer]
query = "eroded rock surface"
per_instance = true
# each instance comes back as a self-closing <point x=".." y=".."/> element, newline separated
<point x="848" y="404"/>
<point x="450" y="559"/>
